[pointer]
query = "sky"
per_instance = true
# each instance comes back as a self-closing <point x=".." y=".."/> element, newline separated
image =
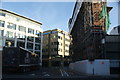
<point x="113" y="15"/>
<point x="53" y="14"/>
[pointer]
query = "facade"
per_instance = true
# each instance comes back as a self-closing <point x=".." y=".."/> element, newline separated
<point x="87" y="30"/>
<point x="20" y="31"/>
<point x="55" y="48"/>
<point x="115" y="31"/>
<point x="112" y="52"/>
<point x="118" y="13"/>
<point x="112" y="43"/>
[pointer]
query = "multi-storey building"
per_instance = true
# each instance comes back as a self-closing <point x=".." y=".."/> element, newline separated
<point x="112" y="51"/>
<point x="20" y="31"/>
<point x="115" y="30"/>
<point x="118" y="13"/>
<point x="55" y="47"/>
<point x="87" y="29"/>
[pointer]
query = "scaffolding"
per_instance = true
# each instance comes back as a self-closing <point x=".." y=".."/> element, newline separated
<point x="88" y="32"/>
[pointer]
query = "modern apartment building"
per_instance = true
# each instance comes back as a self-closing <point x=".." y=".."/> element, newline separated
<point x="56" y="47"/>
<point x="20" y="31"/>
<point x="87" y="29"/>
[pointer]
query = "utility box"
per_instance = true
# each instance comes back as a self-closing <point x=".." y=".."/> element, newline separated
<point x="96" y="67"/>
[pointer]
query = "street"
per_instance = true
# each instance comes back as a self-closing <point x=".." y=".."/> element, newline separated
<point x="55" y="74"/>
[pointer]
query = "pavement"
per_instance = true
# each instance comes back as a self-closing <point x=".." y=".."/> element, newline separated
<point x="55" y="73"/>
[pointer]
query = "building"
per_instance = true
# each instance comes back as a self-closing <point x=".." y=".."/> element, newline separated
<point x="119" y="12"/>
<point x="115" y="30"/>
<point x="87" y="29"/>
<point x="112" y="52"/>
<point x="56" y="48"/>
<point x="20" y="31"/>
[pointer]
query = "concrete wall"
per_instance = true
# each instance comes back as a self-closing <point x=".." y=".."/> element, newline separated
<point x="0" y="65"/>
<point x="97" y="67"/>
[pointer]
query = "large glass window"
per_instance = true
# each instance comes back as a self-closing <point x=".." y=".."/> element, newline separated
<point x="9" y="34"/>
<point x="1" y="32"/>
<point x="11" y="26"/>
<point x="2" y="23"/>
<point x="37" y="47"/>
<point x="21" y="44"/>
<point x="30" y="38"/>
<point x="21" y="28"/>
<point x="37" y="39"/>
<point x="21" y="36"/>
<point x="30" y="31"/>
<point x="29" y="45"/>
<point x="2" y="14"/>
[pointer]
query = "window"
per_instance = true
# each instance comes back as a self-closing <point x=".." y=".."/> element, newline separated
<point x="66" y="45"/>
<point x="67" y="51"/>
<point x="61" y="50"/>
<point x="30" y="31"/>
<point x="59" y="37"/>
<point x="1" y="32"/>
<point x="29" y="45"/>
<point x="37" y="47"/>
<point x="2" y="14"/>
<point x="21" y="44"/>
<point x="37" y="39"/>
<point x="30" y="38"/>
<point x="21" y="36"/>
<point x="9" y="34"/>
<point x="21" y="28"/>
<point x="2" y="23"/>
<point x="55" y="49"/>
<point x="11" y="26"/>
<point x="38" y="33"/>
<point x="56" y="43"/>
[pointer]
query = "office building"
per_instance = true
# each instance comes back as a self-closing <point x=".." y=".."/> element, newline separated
<point x="56" y="48"/>
<point x="20" y="31"/>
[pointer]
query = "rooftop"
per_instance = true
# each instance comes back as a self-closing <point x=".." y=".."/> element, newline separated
<point x="20" y="16"/>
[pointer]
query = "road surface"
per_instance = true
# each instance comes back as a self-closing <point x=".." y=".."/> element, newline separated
<point x="54" y="74"/>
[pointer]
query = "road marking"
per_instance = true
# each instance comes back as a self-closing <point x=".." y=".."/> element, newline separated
<point x="46" y="75"/>
<point x="61" y="72"/>
<point x="66" y="73"/>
